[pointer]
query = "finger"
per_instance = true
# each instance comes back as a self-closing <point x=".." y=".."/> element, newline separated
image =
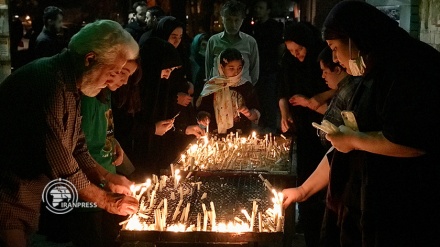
<point x="168" y="121"/>
<point x="287" y="202"/>
<point x="126" y="191"/>
<point x="118" y="160"/>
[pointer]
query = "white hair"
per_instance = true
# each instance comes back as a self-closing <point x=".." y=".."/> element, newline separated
<point x="107" y="39"/>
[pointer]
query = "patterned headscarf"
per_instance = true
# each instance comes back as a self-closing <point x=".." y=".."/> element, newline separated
<point x="224" y="106"/>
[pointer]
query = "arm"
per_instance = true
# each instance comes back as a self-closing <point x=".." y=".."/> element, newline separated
<point x="347" y="140"/>
<point x="286" y="118"/>
<point x="320" y="99"/>
<point x="64" y="163"/>
<point x="303" y="101"/>
<point x="316" y="182"/>
<point x="251" y="109"/>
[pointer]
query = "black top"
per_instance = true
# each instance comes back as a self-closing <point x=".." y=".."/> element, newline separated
<point x="245" y="91"/>
<point x="136" y="30"/>
<point x="377" y="195"/>
<point x="303" y="78"/>
<point x="47" y="44"/>
<point x="269" y="36"/>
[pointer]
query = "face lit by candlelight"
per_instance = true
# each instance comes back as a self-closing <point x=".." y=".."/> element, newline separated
<point x="298" y="51"/>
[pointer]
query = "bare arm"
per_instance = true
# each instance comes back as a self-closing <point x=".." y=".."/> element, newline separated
<point x="374" y="142"/>
<point x="316" y="182"/>
<point x="322" y="98"/>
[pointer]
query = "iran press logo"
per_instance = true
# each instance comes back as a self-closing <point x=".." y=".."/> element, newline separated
<point x="61" y="196"/>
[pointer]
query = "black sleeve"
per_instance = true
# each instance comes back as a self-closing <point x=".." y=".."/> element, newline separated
<point x="283" y="78"/>
<point x="250" y="96"/>
<point x="207" y="105"/>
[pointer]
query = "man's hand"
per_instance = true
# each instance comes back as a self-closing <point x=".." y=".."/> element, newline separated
<point x="163" y="126"/>
<point x="118" y="184"/>
<point x="119" y="154"/>
<point x="121" y="204"/>
<point x="194" y="130"/>
<point x="111" y="202"/>
<point x="183" y="99"/>
<point x="119" y="189"/>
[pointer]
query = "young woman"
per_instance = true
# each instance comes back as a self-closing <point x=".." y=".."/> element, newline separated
<point x="301" y="76"/>
<point x="153" y="117"/>
<point x="383" y="179"/>
<point x="228" y="97"/>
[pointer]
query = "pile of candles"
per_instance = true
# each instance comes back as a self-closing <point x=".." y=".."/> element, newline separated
<point x="237" y="153"/>
<point x="162" y="210"/>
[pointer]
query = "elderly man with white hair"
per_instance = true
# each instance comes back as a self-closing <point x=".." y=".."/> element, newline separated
<point x="40" y="135"/>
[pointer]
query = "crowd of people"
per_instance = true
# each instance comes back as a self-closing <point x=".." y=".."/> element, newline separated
<point x="119" y="104"/>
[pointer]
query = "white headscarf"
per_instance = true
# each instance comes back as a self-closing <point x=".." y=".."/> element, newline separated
<point x="224" y="107"/>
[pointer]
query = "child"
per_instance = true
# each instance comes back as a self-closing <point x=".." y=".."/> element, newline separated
<point x="233" y="13"/>
<point x="228" y="96"/>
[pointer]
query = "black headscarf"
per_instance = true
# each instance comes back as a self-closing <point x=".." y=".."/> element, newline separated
<point x="156" y="55"/>
<point x="369" y="28"/>
<point x="377" y="36"/>
<point x="305" y="34"/>
<point x="166" y="26"/>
